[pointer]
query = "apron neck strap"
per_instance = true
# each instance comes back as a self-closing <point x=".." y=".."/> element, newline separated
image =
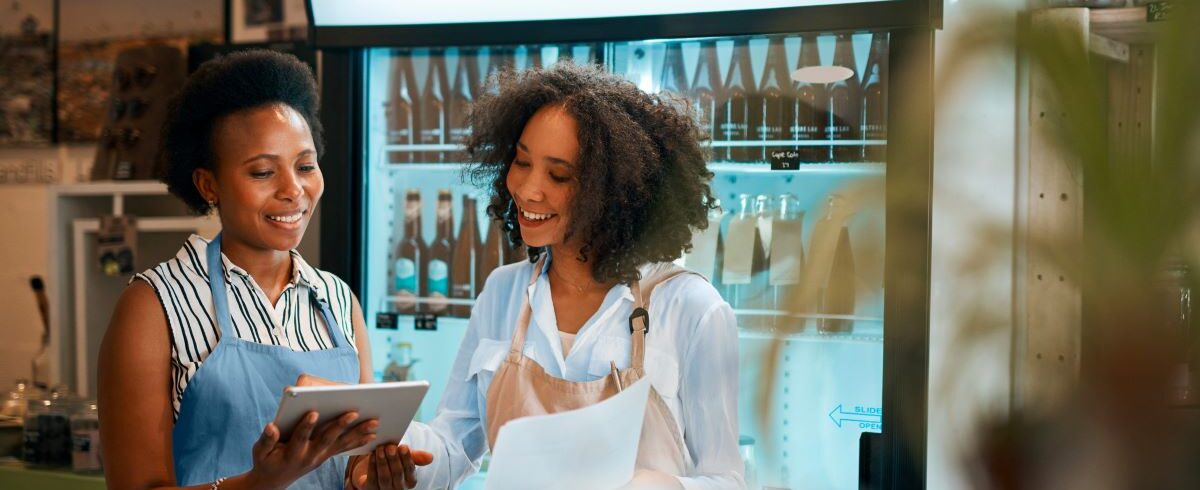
<point x="518" y="340"/>
<point x="216" y="283"/>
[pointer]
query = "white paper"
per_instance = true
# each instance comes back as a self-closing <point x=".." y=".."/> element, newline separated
<point x="592" y="448"/>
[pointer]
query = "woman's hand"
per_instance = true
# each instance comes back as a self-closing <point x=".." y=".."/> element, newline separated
<point x="389" y="467"/>
<point x="278" y="464"/>
<point x="652" y="480"/>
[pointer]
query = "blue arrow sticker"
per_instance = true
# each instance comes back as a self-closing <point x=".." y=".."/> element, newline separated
<point x="866" y="418"/>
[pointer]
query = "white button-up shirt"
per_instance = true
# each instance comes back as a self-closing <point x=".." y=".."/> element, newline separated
<point x="691" y="359"/>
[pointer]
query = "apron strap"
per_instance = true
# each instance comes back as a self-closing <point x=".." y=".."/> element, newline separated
<point x="518" y="340"/>
<point x="216" y="284"/>
<point x="639" y="320"/>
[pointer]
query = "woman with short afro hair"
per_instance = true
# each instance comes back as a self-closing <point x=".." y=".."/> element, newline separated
<point x="201" y="347"/>
<point x="603" y="185"/>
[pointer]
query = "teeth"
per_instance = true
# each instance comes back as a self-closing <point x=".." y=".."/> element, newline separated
<point x="291" y="218"/>
<point x="534" y="216"/>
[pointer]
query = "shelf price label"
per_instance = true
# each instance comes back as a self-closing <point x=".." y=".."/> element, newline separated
<point x="385" y="320"/>
<point x="1158" y="11"/>
<point x="785" y="160"/>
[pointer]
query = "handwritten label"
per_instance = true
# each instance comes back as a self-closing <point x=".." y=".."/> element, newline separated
<point x="785" y="159"/>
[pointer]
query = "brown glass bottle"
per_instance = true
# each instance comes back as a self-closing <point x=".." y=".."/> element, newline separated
<point x="776" y="99"/>
<point x="811" y="111"/>
<point x="399" y="108"/>
<point x="466" y="81"/>
<point x="432" y="109"/>
<point x="705" y="87"/>
<point x="845" y="105"/>
<point x="533" y="56"/>
<point x="463" y="273"/>
<point x="733" y="119"/>
<point x="874" y="105"/>
<point x="673" y="79"/>
<point x="409" y="263"/>
<point x="437" y="268"/>
<point x="491" y="255"/>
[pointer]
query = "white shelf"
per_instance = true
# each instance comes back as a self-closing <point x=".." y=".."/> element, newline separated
<point x="112" y="187"/>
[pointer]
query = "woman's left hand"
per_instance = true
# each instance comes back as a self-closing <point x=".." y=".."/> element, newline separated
<point x="652" y="480"/>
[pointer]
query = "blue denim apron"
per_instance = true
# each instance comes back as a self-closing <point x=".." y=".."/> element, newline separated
<point x="236" y="392"/>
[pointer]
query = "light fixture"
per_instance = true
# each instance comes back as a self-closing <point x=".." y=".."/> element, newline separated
<point x="822" y="74"/>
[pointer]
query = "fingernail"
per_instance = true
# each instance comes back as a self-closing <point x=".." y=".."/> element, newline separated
<point x="391" y="450"/>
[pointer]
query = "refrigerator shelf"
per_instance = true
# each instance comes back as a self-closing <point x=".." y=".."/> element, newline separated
<point x="714" y="144"/>
<point x="808" y="335"/>
<point x="870" y="168"/>
<point x="819" y="316"/>
<point x="760" y="143"/>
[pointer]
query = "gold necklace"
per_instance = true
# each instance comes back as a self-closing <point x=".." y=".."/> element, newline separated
<point x="577" y="287"/>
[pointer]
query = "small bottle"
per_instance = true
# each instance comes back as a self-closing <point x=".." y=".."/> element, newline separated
<point x="399" y="107"/>
<point x="432" y="130"/>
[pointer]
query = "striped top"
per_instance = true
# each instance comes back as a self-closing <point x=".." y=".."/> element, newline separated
<point x="181" y="284"/>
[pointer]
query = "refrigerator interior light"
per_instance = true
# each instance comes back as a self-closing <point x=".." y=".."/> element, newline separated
<point x="822" y="74"/>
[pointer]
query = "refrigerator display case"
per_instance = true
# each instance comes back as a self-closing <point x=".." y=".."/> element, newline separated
<point x="797" y="100"/>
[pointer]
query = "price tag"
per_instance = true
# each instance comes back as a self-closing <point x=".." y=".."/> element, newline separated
<point x="1158" y="11"/>
<point x="387" y="320"/>
<point x="425" y="321"/>
<point x="785" y="159"/>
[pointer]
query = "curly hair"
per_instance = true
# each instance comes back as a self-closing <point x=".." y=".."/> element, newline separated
<point x="642" y="179"/>
<point x="223" y="86"/>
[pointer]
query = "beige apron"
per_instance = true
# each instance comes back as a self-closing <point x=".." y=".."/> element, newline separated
<point x="521" y="387"/>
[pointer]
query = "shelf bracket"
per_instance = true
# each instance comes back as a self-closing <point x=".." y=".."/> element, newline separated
<point x="1108" y="48"/>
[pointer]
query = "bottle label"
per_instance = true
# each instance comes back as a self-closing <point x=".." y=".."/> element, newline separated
<point x="406" y="276"/>
<point x="412" y="210"/>
<point x="734" y="131"/>
<point x="804" y="132"/>
<point x="439" y="285"/>
<point x="770" y="132"/>
<point x="431" y="136"/>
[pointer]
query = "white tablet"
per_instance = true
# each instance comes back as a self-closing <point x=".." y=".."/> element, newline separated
<point x="393" y="404"/>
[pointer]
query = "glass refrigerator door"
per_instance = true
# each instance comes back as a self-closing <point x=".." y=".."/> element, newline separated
<point x="797" y="125"/>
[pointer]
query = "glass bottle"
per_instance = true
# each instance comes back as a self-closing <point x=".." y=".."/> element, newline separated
<point x="85" y="439"/>
<point x="704" y="94"/>
<point x="409" y="266"/>
<point x="811" y="111"/>
<point x="463" y="274"/>
<point x="845" y="100"/>
<point x="874" y="104"/>
<point x="775" y="97"/>
<point x="432" y="110"/>
<point x="437" y="269"/>
<point x="399" y="107"/>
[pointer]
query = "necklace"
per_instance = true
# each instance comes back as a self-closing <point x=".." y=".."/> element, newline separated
<point x="573" y="285"/>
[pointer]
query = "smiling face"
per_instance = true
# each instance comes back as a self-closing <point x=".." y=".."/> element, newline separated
<point x="267" y="182"/>
<point x="541" y="178"/>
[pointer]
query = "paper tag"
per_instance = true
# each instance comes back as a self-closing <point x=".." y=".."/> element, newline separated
<point x="739" y="252"/>
<point x="787" y="252"/>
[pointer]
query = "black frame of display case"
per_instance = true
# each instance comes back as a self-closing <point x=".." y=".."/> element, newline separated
<point x="908" y="186"/>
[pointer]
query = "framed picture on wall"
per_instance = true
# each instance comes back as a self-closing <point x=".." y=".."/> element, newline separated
<point x="94" y="33"/>
<point x="27" y="74"/>
<point x="256" y="21"/>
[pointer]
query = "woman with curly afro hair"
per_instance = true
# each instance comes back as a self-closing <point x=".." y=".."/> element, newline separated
<point x="603" y="185"/>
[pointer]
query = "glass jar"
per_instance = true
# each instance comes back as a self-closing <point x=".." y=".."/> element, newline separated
<point x="85" y="439"/>
<point x="14" y="403"/>
<point x="47" y="430"/>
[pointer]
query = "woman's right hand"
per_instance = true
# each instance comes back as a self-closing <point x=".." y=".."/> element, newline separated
<point x="388" y="467"/>
<point x="278" y="464"/>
